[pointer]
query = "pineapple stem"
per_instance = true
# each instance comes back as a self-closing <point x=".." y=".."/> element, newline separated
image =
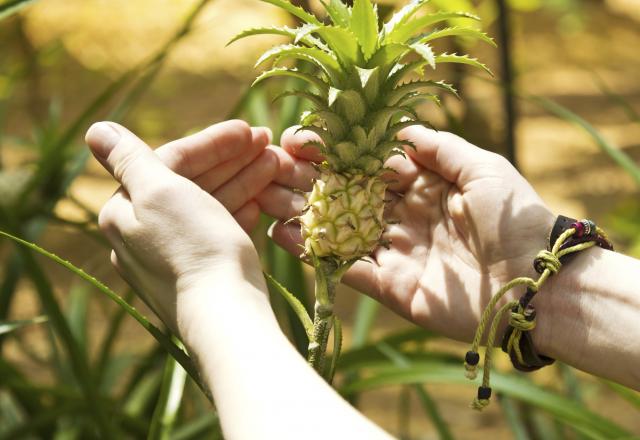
<point x="323" y="316"/>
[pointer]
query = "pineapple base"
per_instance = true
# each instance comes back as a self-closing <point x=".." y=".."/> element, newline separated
<point x="344" y="216"/>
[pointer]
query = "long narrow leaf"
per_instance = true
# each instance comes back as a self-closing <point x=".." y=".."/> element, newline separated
<point x="561" y="408"/>
<point x="13" y="6"/>
<point x="163" y="339"/>
<point x="171" y="391"/>
<point x="337" y="348"/>
<point x="11" y="326"/>
<point x="620" y="157"/>
<point x="295" y="304"/>
<point x="429" y="405"/>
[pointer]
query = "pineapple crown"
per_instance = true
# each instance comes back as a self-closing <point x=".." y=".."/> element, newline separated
<point x="360" y="102"/>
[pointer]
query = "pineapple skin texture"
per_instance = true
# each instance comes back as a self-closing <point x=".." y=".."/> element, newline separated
<point x="344" y="217"/>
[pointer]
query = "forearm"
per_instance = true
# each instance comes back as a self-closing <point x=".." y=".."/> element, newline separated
<point x="262" y="387"/>
<point x="589" y="316"/>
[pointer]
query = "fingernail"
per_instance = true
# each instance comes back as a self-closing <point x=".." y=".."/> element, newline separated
<point x="271" y="228"/>
<point x="102" y="137"/>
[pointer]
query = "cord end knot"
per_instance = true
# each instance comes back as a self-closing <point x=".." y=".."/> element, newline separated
<point x="471" y="361"/>
<point x="483" y="398"/>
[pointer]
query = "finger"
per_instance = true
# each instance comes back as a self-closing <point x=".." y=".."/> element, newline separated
<point x="215" y="177"/>
<point x="126" y="157"/>
<point x="280" y="202"/>
<point x="195" y="154"/>
<point x="248" y="216"/>
<point x="405" y="173"/>
<point x="116" y="218"/>
<point x="294" y="142"/>
<point x="362" y="275"/>
<point x="444" y="153"/>
<point x="293" y="172"/>
<point x="249" y="182"/>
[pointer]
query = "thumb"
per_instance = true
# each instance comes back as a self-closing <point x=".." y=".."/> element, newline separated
<point x="129" y="160"/>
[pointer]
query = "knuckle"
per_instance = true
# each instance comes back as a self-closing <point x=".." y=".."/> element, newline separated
<point x="107" y="219"/>
<point x="125" y="162"/>
<point x="243" y="130"/>
<point x="160" y="193"/>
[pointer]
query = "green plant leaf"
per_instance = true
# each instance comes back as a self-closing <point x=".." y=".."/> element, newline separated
<point x="619" y="156"/>
<point x="428" y="404"/>
<point x="425" y="51"/>
<point x="462" y="59"/>
<point x="13" y="6"/>
<point x="295" y="11"/>
<point x="401" y="91"/>
<point x="631" y="396"/>
<point x="316" y="100"/>
<point x="338" y="11"/>
<point x="76" y="314"/>
<point x="458" y="31"/>
<point x="560" y="407"/>
<point x="404" y="33"/>
<point x="322" y="87"/>
<point x="402" y="16"/>
<point x="169" y="401"/>
<point x="364" y="24"/>
<point x="294" y="33"/>
<point x="163" y="339"/>
<point x="350" y="104"/>
<point x="342" y="42"/>
<point x="202" y="427"/>
<point x="11" y="326"/>
<point x="319" y="58"/>
<point x="295" y="304"/>
<point x="365" y="316"/>
<point x="337" y="347"/>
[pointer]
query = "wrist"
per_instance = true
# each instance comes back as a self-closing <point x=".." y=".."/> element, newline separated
<point x="221" y="301"/>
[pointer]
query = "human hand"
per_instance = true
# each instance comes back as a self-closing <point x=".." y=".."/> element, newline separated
<point x="468" y="222"/>
<point x="168" y="233"/>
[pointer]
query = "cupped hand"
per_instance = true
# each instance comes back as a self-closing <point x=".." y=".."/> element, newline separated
<point x="467" y="222"/>
<point x="167" y="231"/>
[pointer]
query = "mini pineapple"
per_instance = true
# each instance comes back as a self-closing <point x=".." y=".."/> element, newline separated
<point x="361" y="100"/>
<point x="360" y="105"/>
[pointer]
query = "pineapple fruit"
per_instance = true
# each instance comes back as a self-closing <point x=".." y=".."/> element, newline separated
<point x="361" y="100"/>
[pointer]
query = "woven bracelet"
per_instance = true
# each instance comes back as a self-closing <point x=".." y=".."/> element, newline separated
<point x="567" y="237"/>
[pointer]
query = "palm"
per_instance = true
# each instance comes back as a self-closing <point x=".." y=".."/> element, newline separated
<point x="462" y="229"/>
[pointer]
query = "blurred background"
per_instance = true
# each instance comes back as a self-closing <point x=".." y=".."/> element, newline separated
<point x="564" y="107"/>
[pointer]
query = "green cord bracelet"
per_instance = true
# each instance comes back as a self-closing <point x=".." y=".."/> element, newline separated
<point x="568" y="237"/>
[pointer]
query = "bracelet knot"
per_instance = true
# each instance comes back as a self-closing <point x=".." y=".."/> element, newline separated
<point x="546" y="260"/>
<point x="523" y="320"/>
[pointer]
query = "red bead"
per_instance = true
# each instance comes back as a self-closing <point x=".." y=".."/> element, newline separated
<point x="579" y="227"/>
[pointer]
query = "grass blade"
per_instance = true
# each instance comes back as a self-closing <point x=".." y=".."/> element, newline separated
<point x="619" y="156"/>
<point x="163" y="339"/>
<point x="560" y="407"/>
<point x="512" y="414"/>
<point x="363" y="322"/>
<point x="171" y="391"/>
<point x="11" y="326"/>
<point x="337" y="347"/>
<point x="628" y="394"/>
<point x="295" y="304"/>
<point x="13" y="6"/>
<point x="430" y="407"/>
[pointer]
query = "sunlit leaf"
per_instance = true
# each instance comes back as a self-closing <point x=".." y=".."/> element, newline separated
<point x="364" y="24"/>
<point x="11" y="326"/>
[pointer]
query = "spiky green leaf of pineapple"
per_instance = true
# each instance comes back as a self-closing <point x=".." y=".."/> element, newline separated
<point x="360" y="103"/>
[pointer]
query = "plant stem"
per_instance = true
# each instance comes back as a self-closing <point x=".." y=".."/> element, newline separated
<point x="326" y="281"/>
